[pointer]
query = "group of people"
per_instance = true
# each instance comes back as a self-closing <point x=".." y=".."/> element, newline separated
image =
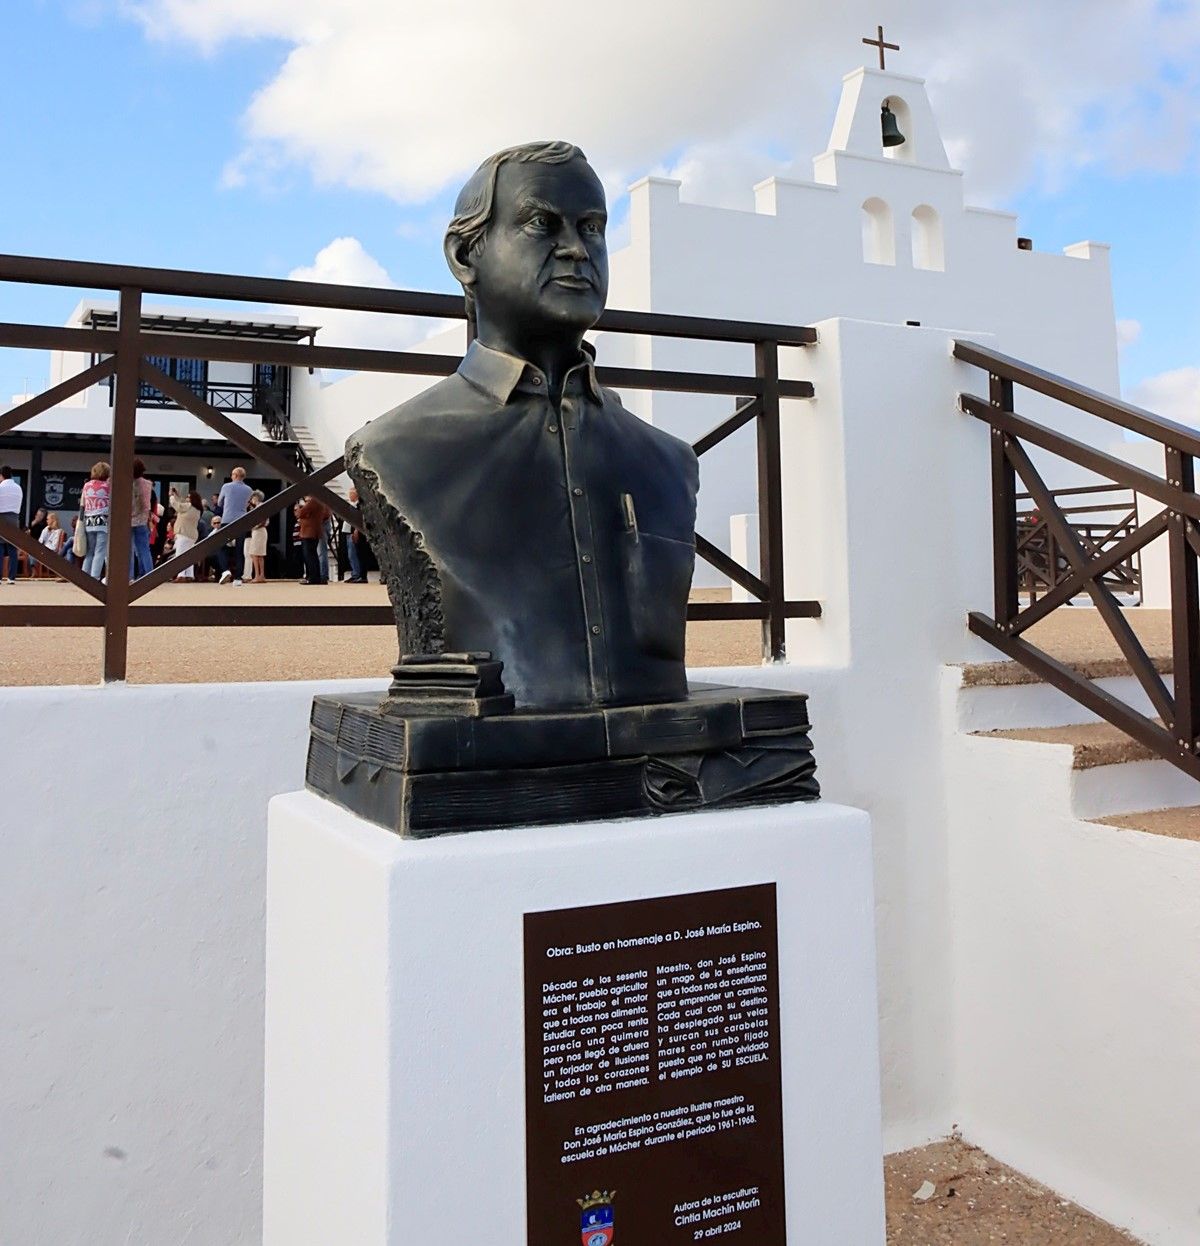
<point x="235" y="499"/>
<point x="159" y="532"/>
<point x="314" y="529"/>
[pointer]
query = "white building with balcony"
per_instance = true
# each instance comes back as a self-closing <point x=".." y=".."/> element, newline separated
<point x="52" y="453"/>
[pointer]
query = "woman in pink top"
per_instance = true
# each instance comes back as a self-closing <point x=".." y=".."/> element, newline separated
<point x="93" y="507"/>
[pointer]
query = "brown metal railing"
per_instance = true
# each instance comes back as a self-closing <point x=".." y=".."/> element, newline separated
<point x="1173" y="733"/>
<point x="1102" y="516"/>
<point x="124" y="353"/>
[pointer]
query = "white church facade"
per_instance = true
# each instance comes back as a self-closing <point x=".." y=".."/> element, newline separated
<point x="878" y="234"/>
<point x="881" y="234"/>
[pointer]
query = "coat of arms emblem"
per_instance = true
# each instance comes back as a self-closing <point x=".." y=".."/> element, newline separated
<point x="596" y="1223"/>
<point x="54" y="489"/>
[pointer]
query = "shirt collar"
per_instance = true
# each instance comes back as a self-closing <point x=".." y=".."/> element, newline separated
<point x="499" y="374"/>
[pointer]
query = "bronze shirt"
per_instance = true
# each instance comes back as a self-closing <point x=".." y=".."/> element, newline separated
<point x="559" y="538"/>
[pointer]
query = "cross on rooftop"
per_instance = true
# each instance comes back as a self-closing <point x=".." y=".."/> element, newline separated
<point x="878" y="42"/>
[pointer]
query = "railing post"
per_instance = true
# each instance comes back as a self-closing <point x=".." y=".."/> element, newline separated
<point x="770" y="498"/>
<point x="116" y="617"/>
<point x="1004" y="510"/>
<point x="1185" y="607"/>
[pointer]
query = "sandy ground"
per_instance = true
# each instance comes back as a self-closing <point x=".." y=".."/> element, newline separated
<point x="54" y="655"/>
<point x="1178" y="823"/>
<point x="234" y="654"/>
<point x="979" y="1202"/>
<point x="1078" y="636"/>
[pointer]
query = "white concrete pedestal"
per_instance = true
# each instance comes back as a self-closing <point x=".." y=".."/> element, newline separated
<point x="394" y="1043"/>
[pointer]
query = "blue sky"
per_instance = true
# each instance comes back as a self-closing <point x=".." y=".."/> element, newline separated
<point x="119" y="146"/>
<point x="1153" y="224"/>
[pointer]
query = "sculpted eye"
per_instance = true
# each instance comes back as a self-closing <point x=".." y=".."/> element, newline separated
<point x="594" y="228"/>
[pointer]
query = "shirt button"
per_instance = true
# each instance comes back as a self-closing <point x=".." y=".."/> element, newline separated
<point x="595" y="629"/>
<point x="552" y="428"/>
<point x="535" y="380"/>
<point x="577" y="491"/>
<point x="587" y="558"/>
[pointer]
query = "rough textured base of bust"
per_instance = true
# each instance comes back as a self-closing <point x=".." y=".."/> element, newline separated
<point x="412" y="580"/>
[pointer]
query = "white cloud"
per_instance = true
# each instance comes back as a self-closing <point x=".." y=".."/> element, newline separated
<point x="722" y="174"/>
<point x="346" y="262"/>
<point x="1128" y="332"/>
<point x="403" y="98"/>
<point x="1175" y="394"/>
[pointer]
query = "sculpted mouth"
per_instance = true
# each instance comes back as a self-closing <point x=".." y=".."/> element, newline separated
<point x="572" y="282"/>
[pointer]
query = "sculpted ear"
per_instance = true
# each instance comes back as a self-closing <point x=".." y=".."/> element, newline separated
<point x="458" y="256"/>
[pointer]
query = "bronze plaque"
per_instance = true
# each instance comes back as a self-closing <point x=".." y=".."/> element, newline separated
<point x="653" y="1108"/>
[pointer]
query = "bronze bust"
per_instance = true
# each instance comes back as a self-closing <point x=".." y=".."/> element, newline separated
<point x="516" y="507"/>
<point x="538" y="542"/>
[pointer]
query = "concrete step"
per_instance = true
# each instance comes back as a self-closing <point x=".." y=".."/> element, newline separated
<point x="1006" y="674"/>
<point x="1109" y="774"/>
<point x="1101" y="791"/>
<point x="1092" y="744"/>
<point x="1181" y="822"/>
<point x="1008" y="704"/>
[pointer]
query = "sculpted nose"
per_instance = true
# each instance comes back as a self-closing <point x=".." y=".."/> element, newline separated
<point x="570" y="245"/>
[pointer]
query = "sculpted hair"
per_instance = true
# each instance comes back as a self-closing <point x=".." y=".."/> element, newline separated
<point x="476" y="201"/>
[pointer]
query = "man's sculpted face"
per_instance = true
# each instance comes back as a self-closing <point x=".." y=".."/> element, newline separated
<point x="543" y="265"/>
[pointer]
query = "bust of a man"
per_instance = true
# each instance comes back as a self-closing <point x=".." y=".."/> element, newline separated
<point x="516" y="507"/>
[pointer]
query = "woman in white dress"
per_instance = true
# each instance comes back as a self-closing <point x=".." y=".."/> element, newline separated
<point x="187" y="529"/>
<point x="256" y="545"/>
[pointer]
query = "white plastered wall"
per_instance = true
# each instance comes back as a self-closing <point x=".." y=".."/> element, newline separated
<point x="133" y="889"/>
<point x="798" y="258"/>
<point x="866" y="496"/>
<point x="1077" y="997"/>
<point x="132" y="875"/>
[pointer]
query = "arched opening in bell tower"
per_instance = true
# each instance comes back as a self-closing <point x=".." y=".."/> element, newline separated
<point x="928" y="245"/>
<point x="904" y="123"/>
<point x="878" y="232"/>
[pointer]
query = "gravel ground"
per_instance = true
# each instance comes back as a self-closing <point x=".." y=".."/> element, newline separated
<point x="61" y="655"/>
<point x="977" y="1201"/>
<point x="1078" y="636"/>
<point x="234" y="654"/>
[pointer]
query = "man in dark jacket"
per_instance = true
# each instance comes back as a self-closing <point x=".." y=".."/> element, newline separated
<point x="311" y="515"/>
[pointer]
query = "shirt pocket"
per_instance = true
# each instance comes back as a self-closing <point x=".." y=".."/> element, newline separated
<point x="658" y="577"/>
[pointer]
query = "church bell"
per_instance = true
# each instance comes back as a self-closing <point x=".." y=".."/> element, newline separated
<point x="891" y="131"/>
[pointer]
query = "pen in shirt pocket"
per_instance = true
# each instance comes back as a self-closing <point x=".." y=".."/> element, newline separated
<point x="630" y="515"/>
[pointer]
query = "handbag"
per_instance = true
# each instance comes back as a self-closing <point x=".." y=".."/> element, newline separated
<point x="79" y="544"/>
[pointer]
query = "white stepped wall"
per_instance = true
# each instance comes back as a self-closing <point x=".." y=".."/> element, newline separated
<point x="133" y="934"/>
<point x="1077" y="996"/>
<point x="131" y="949"/>
<point x="1098" y="790"/>
<point x="1002" y="707"/>
<point x="1133" y="785"/>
